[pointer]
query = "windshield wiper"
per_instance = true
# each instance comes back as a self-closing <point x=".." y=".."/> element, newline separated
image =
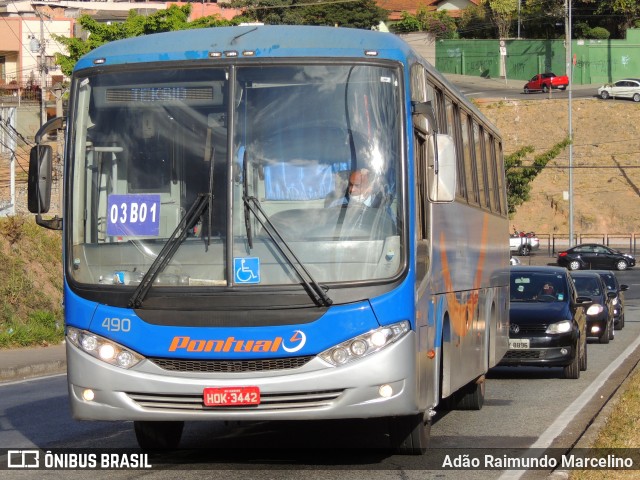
<point x="313" y="288"/>
<point x="187" y="222"/>
<point x="252" y="205"/>
<point x="245" y="195"/>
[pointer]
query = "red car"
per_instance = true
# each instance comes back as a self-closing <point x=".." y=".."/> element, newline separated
<point x="545" y="82"/>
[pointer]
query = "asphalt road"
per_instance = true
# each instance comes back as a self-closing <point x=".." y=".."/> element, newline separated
<point x="524" y="408"/>
<point x="500" y="88"/>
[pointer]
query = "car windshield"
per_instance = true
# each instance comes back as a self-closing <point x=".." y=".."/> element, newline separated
<point x="537" y="287"/>
<point x="589" y="286"/>
<point x="609" y="281"/>
<point x="315" y="147"/>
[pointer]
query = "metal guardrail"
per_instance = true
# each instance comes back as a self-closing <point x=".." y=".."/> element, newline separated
<point x="555" y="242"/>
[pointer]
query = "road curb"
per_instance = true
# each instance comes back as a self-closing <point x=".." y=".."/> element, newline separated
<point x="31" y="371"/>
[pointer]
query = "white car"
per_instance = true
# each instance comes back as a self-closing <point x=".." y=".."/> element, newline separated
<point x="626" y="88"/>
<point x="523" y="245"/>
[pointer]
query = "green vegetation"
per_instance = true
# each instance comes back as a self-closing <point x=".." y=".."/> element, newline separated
<point x="173" y="18"/>
<point x="30" y="284"/>
<point x="519" y="177"/>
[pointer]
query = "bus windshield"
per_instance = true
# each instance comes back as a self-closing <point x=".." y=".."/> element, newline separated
<point x="315" y="148"/>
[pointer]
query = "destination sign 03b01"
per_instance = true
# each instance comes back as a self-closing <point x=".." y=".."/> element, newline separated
<point x="133" y="215"/>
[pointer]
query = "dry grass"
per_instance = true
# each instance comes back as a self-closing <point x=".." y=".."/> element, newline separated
<point x="620" y="432"/>
<point x="606" y="158"/>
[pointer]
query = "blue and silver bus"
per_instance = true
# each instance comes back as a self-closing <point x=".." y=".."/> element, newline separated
<point x="275" y="223"/>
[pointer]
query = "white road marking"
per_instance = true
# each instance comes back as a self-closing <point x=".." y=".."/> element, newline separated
<point x="566" y="417"/>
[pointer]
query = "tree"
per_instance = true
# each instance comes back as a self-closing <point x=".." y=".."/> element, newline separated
<point x="625" y="12"/>
<point x="344" y="13"/>
<point x="519" y="177"/>
<point x="438" y="23"/>
<point x="502" y="14"/>
<point x="173" y="18"/>
<point x="475" y="22"/>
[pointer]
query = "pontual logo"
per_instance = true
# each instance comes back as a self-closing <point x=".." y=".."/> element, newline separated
<point x="298" y="340"/>
<point x="231" y="344"/>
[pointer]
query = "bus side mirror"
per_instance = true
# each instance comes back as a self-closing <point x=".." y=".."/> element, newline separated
<point x="441" y="168"/>
<point x="40" y="175"/>
<point x="39" y="180"/>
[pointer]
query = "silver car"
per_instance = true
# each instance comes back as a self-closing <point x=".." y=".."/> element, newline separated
<point x="626" y="88"/>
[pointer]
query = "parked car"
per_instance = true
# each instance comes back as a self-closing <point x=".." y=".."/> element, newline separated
<point x="595" y="256"/>
<point x="545" y="82"/>
<point x="600" y="312"/>
<point x="523" y="243"/>
<point x="548" y="322"/>
<point x="611" y="281"/>
<point x="625" y="88"/>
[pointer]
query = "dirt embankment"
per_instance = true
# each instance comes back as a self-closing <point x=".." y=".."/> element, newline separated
<point x="605" y="159"/>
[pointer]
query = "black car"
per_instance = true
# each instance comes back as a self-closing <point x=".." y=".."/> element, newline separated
<point x="548" y="321"/>
<point x="594" y="256"/>
<point x="611" y="281"/>
<point x="600" y="312"/>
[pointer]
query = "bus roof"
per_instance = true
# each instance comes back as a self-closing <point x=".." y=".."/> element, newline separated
<point x="263" y="40"/>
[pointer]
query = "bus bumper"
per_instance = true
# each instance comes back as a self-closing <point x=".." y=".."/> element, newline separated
<point x="314" y="391"/>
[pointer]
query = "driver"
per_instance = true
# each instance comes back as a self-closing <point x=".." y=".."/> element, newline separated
<point x="360" y="190"/>
<point x="548" y="289"/>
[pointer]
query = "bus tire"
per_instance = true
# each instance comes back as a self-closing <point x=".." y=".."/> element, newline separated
<point x="158" y="435"/>
<point x="471" y="396"/>
<point x="410" y="435"/>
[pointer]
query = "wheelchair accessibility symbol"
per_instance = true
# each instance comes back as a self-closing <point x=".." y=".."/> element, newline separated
<point x="246" y="270"/>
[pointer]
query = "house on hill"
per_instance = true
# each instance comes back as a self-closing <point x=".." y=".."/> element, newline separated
<point x="395" y="7"/>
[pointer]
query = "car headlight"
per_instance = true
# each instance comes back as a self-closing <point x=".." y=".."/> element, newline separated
<point x="560" y="327"/>
<point x="103" y="349"/>
<point x="595" y="309"/>
<point x="365" y="344"/>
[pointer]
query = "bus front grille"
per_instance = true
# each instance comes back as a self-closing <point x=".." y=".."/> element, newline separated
<point x="268" y="401"/>
<point x="230" y="366"/>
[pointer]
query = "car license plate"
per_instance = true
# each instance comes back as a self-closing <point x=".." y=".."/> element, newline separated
<point x="518" y="343"/>
<point x="231" y="396"/>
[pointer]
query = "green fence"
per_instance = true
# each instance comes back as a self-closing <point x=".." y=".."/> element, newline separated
<point x="594" y="61"/>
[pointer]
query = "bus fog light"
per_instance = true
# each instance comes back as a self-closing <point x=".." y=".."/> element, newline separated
<point x="385" y="391"/>
<point x="88" y="395"/>
<point x="564" y="351"/>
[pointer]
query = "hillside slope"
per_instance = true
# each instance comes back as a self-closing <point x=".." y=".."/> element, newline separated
<point x="606" y="173"/>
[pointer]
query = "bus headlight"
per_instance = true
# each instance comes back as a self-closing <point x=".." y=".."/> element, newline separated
<point x="103" y="349"/>
<point x="365" y="344"/>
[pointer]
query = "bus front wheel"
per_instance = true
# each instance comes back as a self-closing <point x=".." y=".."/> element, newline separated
<point x="158" y="435"/>
<point x="410" y="435"/>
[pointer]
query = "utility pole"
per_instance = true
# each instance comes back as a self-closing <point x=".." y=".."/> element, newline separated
<point x="40" y="47"/>
<point x="43" y="73"/>
<point x="569" y="88"/>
